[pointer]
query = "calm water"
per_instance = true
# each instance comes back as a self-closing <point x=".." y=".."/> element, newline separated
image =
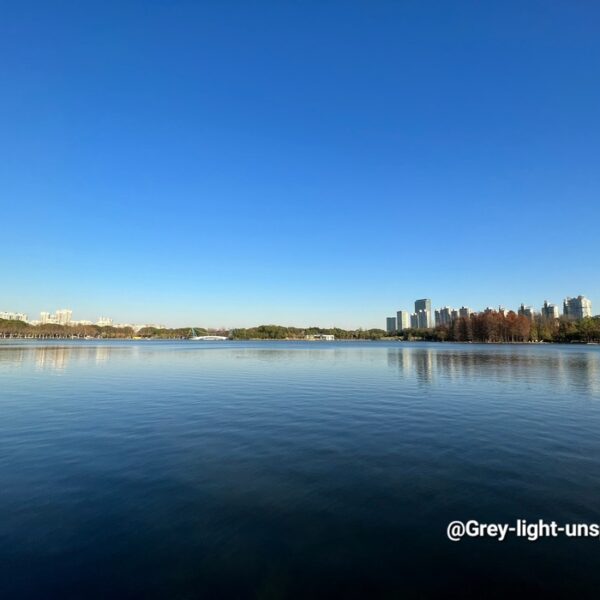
<point x="293" y="469"/>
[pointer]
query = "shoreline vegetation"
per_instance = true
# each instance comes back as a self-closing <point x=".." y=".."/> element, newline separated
<point x="486" y="327"/>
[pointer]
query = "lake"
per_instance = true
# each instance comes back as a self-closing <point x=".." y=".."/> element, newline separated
<point x="294" y="469"/>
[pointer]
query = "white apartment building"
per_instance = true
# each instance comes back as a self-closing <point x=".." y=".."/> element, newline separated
<point x="63" y="316"/>
<point x="577" y="308"/>
<point x="60" y="317"/>
<point x="13" y="316"/>
<point x="443" y="316"/>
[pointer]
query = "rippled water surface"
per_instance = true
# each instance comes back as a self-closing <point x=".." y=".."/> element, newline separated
<point x="290" y="469"/>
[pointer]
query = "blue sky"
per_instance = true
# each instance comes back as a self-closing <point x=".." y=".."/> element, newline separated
<point x="234" y="163"/>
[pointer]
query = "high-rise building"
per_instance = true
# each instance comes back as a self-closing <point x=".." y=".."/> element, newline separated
<point x="414" y="321"/>
<point x="424" y="306"/>
<point x="402" y="320"/>
<point x="526" y="311"/>
<point x="60" y="317"/>
<point x="423" y="319"/>
<point x="549" y="311"/>
<point x="464" y="312"/>
<point x="577" y="308"/>
<point x="443" y="316"/>
<point x="63" y="316"/>
<point x="390" y="324"/>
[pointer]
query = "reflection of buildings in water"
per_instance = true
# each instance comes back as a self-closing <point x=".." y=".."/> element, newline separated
<point x="413" y="362"/>
<point x="549" y="366"/>
<point x="593" y="373"/>
<point x="53" y="358"/>
<point x="583" y="372"/>
<point x="455" y="365"/>
<point x="401" y="359"/>
<point x="425" y="365"/>
<point x="102" y="354"/>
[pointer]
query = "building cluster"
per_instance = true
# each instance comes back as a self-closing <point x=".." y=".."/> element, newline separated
<point x="424" y="318"/>
<point x="13" y="316"/>
<point x="64" y="316"/>
<point x="60" y="317"/>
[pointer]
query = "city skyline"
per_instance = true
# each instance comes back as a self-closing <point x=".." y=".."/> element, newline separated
<point x="575" y="307"/>
<point x="64" y="316"/>
<point x="424" y="317"/>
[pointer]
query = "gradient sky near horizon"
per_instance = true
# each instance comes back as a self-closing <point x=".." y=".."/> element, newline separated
<point x="306" y="162"/>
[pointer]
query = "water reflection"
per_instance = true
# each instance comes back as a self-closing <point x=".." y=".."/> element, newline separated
<point x="52" y="358"/>
<point x="191" y="460"/>
<point x="569" y="367"/>
<point x="56" y="358"/>
<point x="574" y="368"/>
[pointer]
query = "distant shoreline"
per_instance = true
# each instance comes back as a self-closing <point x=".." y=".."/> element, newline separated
<point x="492" y="327"/>
<point x="8" y="339"/>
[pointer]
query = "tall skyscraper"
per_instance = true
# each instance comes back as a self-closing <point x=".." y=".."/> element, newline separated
<point x="549" y="311"/>
<point x="443" y="316"/>
<point x="424" y="306"/>
<point x="390" y="324"/>
<point x="464" y="312"/>
<point x="402" y="320"/>
<point x="577" y="308"/>
<point x="526" y="311"/>
<point x="423" y="319"/>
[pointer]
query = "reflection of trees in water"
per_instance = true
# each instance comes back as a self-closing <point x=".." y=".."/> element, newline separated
<point x="320" y="353"/>
<point x="579" y="369"/>
<point x="14" y="355"/>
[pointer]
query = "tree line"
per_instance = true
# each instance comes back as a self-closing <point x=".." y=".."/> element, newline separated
<point x="495" y="326"/>
<point x="20" y="329"/>
<point x="279" y="332"/>
<point x="488" y="326"/>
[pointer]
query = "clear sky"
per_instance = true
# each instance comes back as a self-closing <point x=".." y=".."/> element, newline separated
<point x="297" y="162"/>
